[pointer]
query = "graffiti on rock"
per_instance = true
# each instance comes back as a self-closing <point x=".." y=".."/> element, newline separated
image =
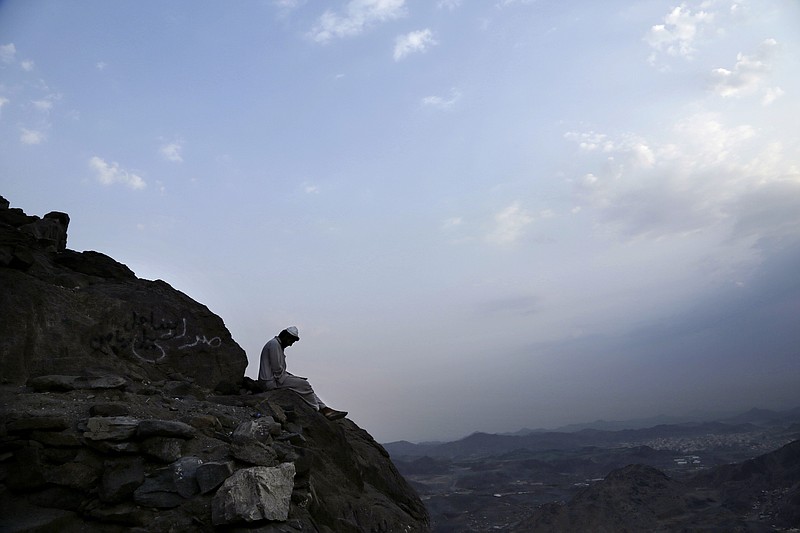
<point x="151" y="340"/>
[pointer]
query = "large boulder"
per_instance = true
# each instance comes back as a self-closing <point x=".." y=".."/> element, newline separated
<point x="254" y="494"/>
<point x="67" y="313"/>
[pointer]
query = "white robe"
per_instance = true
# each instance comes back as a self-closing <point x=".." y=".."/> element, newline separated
<point x="273" y="375"/>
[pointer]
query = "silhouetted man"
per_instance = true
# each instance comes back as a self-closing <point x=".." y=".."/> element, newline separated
<point x="272" y="373"/>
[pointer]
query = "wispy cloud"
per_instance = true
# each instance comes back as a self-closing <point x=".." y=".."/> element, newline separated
<point x="688" y="182"/>
<point x="7" y="53"/>
<point x="27" y="65"/>
<point x="45" y="105"/>
<point x="506" y="3"/>
<point x="111" y="173"/>
<point x="413" y="42"/>
<point x="100" y="65"/>
<point x="448" y="4"/>
<point x="748" y="74"/>
<point x="286" y="7"/>
<point x="32" y="136"/>
<point x="443" y="102"/>
<point x="771" y="94"/>
<point x="452" y="223"/>
<point x="636" y="150"/>
<point x="358" y="16"/>
<point x="288" y="4"/>
<point x="3" y="101"/>
<point x="676" y="36"/>
<point x="509" y="224"/>
<point x="171" y="151"/>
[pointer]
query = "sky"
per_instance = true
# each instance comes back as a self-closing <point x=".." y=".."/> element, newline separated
<point x="482" y="215"/>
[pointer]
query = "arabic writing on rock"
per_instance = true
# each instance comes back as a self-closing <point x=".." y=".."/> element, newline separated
<point x="151" y="339"/>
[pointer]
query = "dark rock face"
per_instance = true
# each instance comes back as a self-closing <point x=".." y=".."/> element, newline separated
<point x="118" y="428"/>
<point x="85" y="315"/>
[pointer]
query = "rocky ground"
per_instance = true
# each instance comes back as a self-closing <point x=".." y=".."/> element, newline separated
<point x="108" y="454"/>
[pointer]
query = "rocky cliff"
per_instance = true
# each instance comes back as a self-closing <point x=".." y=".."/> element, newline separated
<point x="124" y="408"/>
<point x="67" y="312"/>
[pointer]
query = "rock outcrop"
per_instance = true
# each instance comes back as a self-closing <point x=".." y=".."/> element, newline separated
<point x="83" y="313"/>
<point x="123" y="410"/>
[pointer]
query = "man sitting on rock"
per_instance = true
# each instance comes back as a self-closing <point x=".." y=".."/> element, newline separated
<point x="272" y="373"/>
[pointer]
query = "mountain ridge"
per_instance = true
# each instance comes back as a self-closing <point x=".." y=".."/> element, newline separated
<point x="482" y="442"/>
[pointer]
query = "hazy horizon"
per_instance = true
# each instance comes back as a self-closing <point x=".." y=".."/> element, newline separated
<point x="694" y="416"/>
<point x="482" y="216"/>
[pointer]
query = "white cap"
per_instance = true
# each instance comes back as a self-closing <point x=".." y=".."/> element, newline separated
<point x="292" y="330"/>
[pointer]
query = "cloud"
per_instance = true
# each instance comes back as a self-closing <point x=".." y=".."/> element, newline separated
<point x="32" y="136"/>
<point x="771" y="94"/>
<point x="7" y="53"/>
<point x="691" y="181"/>
<point x="172" y="151"/>
<point x="509" y="225"/>
<point x="635" y="148"/>
<point x="448" y="4"/>
<point x="443" y="102"/>
<point x="506" y="3"/>
<point x="288" y="4"/>
<point x="27" y="65"/>
<point x="748" y="74"/>
<point x="677" y="34"/>
<point x="46" y="104"/>
<point x="359" y="15"/>
<point x="310" y="189"/>
<point x="413" y="42"/>
<point x="452" y="223"/>
<point x="100" y="65"/>
<point x="770" y="211"/>
<point x="287" y="7"/>
<point x="109" y="174"/>
<point x="3" y="101"/>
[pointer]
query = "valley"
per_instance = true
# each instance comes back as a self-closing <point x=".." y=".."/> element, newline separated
<point x="495" y="482"/>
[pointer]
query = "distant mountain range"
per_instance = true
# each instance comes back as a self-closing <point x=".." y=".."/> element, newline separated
<point x="740" y="472"/>
<point x="599" y="433"/>
<point x="760" y="494"/>
<point x="754" y="416"/>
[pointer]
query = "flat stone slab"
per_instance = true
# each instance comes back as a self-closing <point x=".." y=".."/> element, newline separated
<point x="40" y="423"/>
<point x="56" y="383"/>
<point x="165" y="428"/>
<point x="111" y="428"/>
